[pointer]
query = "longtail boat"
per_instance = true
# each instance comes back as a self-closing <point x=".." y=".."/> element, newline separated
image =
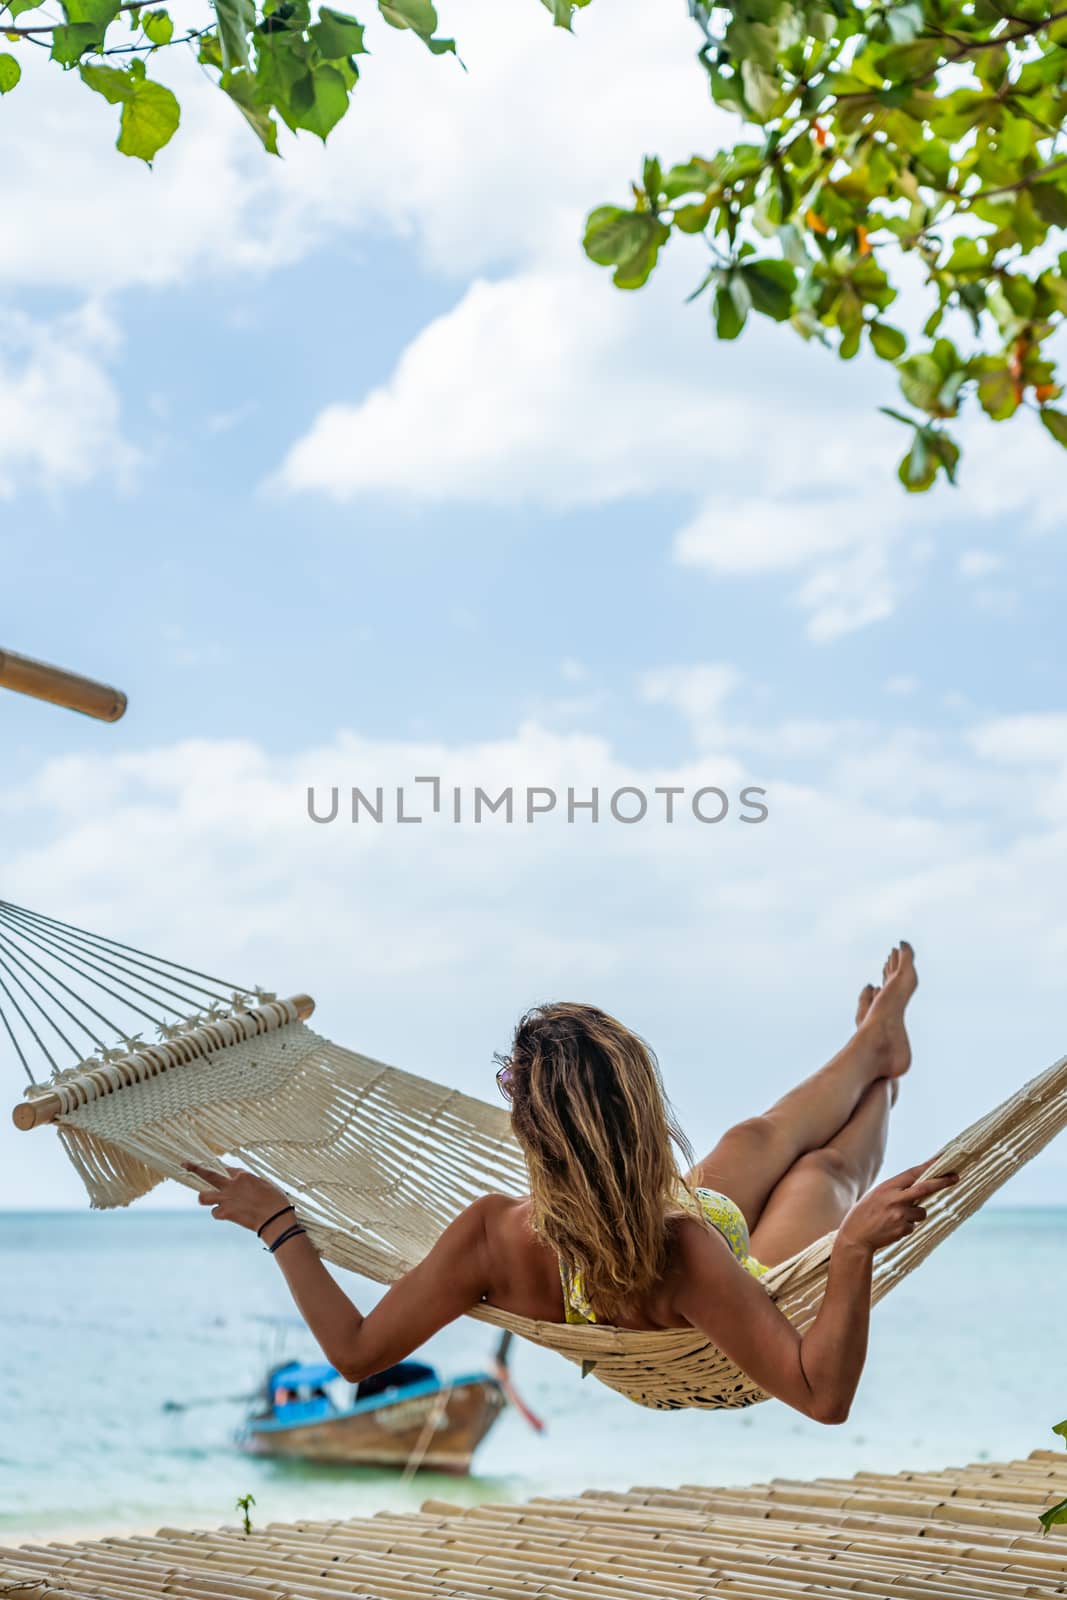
<point x="408" y="1417"/>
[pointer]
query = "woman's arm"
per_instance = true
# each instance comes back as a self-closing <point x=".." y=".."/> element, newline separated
<point x="817" y="1372"/>
<point x="448" y="1282"/>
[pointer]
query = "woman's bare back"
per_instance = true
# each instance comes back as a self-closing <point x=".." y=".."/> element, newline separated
<point x="525" y="1275"/>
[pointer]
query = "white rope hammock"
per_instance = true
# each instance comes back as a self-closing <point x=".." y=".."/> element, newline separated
<point x="380" y="1161"/>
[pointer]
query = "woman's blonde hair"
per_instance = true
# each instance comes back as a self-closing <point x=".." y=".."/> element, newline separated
<point x="599" y="1136"/>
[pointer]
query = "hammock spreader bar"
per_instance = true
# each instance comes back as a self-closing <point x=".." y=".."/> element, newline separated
<point x="61" y="688"/>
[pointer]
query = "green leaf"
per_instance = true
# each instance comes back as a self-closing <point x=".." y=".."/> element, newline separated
<point x="1050" y="203"/>
<point x="920" y="381"/>
<point x="997" y="393"/>
<point x="770" y="285"/>
<point x="319" y="101"/>
<point x="150" y="113"/>
<point x="729" y="317"/>
<point x="418" y="15"/>
<point x="1056" y="423"/>
<point x="17" y="7"/>
<point x="337" y="34"/>
<point x="629" y="241"/>
<point x="563" y="11"/>
<point x="693" y="219"/>
<point x="421" y="17"/>
<point x="148" y="121"/>
<point x="10" y="73"/>
<point x="158" y="27"/>
<point x="911" y="61"/>
<point x="947" y="453"/>
<point x="236" y="19"/>
<point x="918" y="469"/>
<point x="1048" y="1519"/>
<point x="886" y="341"/>
<point x="691" y="177"/>
<point x="111" y="82"/>
<point x="241" y="88"/>
<point x="905" y="21"/>
<point x="87" y="23"/>
<point x="761" y="89"/>
<point x="70" y="41"/>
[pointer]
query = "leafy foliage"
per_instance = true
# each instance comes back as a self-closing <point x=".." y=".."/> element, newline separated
<point x="915" y="140"/>
<point x="274" y="60"/>
<point x="1058" y="1513"/>
<point x="886" y="141"/>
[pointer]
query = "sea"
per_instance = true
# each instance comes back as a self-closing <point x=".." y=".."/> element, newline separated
<point x="107" y="1319"/>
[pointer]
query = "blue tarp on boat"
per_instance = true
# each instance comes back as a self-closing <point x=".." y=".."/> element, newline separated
<point x="300" y="1374"/>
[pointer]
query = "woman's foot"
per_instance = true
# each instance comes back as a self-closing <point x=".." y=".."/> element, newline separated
<point x="880" y="1012"/>
<point x="865" y="1001"/>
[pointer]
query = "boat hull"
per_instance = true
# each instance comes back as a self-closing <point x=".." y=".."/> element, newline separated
<point x="431" y="1427"/>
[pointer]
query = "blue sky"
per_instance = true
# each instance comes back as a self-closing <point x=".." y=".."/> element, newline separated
<point x="350" y="464"/>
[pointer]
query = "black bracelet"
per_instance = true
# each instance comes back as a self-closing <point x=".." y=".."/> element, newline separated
<point x="277" y="1214"/>
<point x="290" y="1233"/>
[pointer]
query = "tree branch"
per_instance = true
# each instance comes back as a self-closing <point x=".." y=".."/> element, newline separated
<point x="50" y="27"/>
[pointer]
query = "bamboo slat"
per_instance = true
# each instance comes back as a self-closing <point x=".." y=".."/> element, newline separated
<point x="964" y="1533"/>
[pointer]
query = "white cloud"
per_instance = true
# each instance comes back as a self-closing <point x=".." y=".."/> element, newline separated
<point x="821" y="522"/>
<point x="531" y="388"/>
<point x="743" y="537"/>
<point x="59" y="403"/>
<point x="700" y="693"/>
<point x="550" y="388"/>
<point x="1033" y="750"/>
<point x="1031" y="739"/>
<point x="975" y="564"/>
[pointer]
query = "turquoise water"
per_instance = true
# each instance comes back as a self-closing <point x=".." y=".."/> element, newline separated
<point x="104" y="1317"/>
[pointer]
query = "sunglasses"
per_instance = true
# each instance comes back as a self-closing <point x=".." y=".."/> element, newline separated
<point x="505" y="1079"/>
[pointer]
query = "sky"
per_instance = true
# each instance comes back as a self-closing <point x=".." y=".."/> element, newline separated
<point x="349" y="468"/>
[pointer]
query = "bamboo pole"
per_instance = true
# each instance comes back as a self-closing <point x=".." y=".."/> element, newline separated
<point x="45" y="1108"/>
<point x="60" y="688"/>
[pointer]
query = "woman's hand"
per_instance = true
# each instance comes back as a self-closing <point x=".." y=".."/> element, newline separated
<point x="894" y="1209"/>
<point x="241" y="1197"/>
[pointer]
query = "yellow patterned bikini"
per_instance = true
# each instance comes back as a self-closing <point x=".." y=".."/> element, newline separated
<point x="725" y="1217"/>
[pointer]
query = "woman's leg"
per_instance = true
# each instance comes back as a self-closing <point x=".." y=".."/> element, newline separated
<point x="749" y="1162"/>
<point x="823" y="1185"/>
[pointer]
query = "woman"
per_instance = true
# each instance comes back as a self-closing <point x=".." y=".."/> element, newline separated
<point x="612" y="1232"/>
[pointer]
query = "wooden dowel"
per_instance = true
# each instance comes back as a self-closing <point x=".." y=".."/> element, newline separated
<point x="60" y="688"/>
<point x="47" y="1107"/>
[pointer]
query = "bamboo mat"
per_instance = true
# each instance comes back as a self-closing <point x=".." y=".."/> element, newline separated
<point x="965" y="1533"/>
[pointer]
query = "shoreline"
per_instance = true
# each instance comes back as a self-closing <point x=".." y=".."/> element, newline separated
<point x="96" y="1532"/>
